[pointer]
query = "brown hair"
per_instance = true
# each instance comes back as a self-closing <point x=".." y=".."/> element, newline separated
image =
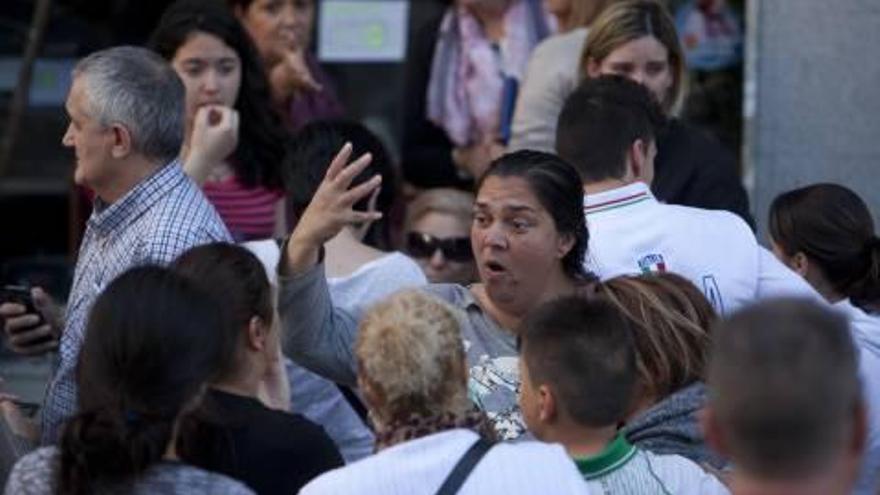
<point x="630" y="20"/>
<point x="833" y="227"/>
<point x="671" y="320"/>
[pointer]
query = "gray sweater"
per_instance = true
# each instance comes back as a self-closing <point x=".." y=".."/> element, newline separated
<point x="320" y="337"/>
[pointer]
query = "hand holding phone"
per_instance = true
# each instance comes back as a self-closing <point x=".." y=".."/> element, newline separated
<point x="26" y="327"/>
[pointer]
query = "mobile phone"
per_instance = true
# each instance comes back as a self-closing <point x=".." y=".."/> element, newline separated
<point x="20" y="294"/>
<point x="29" y="409"/>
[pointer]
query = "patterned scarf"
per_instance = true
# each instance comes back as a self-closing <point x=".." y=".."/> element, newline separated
<point x="468" y="73"/>
<point x="418" y="426"/>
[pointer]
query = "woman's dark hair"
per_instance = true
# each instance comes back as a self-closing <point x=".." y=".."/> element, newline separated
<point x="262" y="138"/>
<point x="316" y="145"/>
<point x="235" y="276"/>
<point x="833" y="227"/>
<point x="149" y="349"/>
<point x="559" y="189"/>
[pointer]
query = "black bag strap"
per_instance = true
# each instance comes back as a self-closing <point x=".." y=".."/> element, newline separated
<point x="355" y="402"/>
<point x="465" y="466"/>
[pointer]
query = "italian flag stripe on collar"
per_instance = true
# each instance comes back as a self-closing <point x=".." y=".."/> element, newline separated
<point x="617" y="203"/>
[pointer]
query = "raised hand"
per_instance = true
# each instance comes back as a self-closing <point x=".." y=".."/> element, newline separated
<point x="331" y="209"/>
<point x="214" y="137"/>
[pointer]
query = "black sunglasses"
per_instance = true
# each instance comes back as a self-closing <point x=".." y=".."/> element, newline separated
<point x="421" y="245"/>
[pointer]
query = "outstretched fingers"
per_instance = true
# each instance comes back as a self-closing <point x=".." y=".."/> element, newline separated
<point x="338" y="162"/>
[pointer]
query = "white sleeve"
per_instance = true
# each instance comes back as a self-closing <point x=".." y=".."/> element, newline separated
<point x="777" y="280"/>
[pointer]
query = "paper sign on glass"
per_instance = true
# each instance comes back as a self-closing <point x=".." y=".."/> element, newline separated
<point x="363" y="30"/>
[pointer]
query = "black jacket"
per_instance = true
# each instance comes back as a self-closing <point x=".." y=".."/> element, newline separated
<point x="692" y="168"/>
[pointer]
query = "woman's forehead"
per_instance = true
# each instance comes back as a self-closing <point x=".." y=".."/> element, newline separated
<point x="507" y="193"/>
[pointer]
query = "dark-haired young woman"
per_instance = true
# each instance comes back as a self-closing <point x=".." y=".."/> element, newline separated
<point x="825" y="233"/>
<point x="235" y="142"/>
<point x="245" y="428"/>
<point x="149" y="351"/>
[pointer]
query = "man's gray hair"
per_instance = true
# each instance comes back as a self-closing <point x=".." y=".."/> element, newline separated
<point x="136" y="88"/>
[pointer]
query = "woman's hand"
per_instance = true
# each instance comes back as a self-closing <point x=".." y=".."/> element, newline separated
<point x="474" y="160"/>
<point x="330" y="210"/>
<point x="290" y="75"/>
<point x="214" y="137"/>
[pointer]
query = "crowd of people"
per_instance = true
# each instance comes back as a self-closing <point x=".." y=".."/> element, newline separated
<point x="557" y="290"/>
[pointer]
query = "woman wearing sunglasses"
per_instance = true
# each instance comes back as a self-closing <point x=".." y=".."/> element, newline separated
<point x="529" y="239"/>
<point x="437" y="230"/>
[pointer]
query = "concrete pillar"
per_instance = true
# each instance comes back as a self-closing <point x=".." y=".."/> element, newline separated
<point x="812" y="98"/>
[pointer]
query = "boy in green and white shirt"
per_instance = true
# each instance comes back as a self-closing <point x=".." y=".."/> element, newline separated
<point x="578" y="374"/>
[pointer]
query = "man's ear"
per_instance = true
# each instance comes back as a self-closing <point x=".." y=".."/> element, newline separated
<point x="800" y="263"/>
<point x="547" y="407"/>
<point x="713" y="432"/>
<point x="638" y="158"/>
<point x="122" y="142"/>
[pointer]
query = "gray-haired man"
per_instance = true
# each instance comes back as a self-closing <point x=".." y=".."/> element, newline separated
<point x="126" y="126"/>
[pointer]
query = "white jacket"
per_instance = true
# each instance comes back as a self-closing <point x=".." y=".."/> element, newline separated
<point x="631" y="233"/>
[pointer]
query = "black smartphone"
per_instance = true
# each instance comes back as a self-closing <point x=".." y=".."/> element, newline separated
<point x="20" y="294"/>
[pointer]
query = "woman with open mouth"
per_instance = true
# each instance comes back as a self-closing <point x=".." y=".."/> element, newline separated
<point x="529" y="239"/>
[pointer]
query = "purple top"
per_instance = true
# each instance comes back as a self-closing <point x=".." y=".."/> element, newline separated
<point x="318" y="105"/>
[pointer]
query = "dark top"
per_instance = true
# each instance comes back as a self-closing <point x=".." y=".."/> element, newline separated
<point x="272" y="452"/>
<point x="314" y="105"/>
<point x="427" y="151"/>
<point x="692" y="168"/>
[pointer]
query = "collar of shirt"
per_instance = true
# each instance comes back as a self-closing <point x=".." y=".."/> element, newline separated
<point x="613" y="457"/>
<point x="637" y="192"/>
<point x="105" y="218"/>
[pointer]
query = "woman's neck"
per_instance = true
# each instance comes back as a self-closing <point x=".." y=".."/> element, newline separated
<point x="509" y="316"/>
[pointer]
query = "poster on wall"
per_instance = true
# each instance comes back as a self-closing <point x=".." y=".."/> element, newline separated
<point x="363" y="30"/>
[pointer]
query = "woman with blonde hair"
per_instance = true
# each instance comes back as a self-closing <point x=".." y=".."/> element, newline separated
<point x="637" y="39"/>
<point x="671" y="321"/>
<point x="437" y="235"/>
<point x="412" y="370"/>
<point x="552" y="74"/>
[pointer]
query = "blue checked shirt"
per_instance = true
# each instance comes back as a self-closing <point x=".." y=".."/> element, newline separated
<point x="155" y="222"/>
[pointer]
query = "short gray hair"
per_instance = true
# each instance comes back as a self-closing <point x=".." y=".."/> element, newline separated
<point x="136" y="88"/>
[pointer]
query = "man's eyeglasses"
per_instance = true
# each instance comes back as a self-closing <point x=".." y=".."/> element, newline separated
<point x="421" y="245"/>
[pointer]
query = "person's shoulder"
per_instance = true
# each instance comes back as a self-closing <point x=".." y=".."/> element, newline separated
<point x="357" y="477"/>
<point x="404" y="268"/>
<point x="682" y="475"/>
<point x="34" y="473"/>
<point x="457" y="296"/>
<point x="530" y="450"/>
<point x="716" y="220"/>
<point x="571" y="41"/>
<point x="174" y="478"/>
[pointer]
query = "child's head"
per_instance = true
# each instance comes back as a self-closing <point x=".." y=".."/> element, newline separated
<point x="577" y="366"/>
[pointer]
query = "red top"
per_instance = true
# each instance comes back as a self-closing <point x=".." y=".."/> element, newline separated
<point x="248" y="212"/>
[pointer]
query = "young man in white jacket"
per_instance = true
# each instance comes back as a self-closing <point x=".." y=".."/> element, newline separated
<point x="607" y="130"/>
